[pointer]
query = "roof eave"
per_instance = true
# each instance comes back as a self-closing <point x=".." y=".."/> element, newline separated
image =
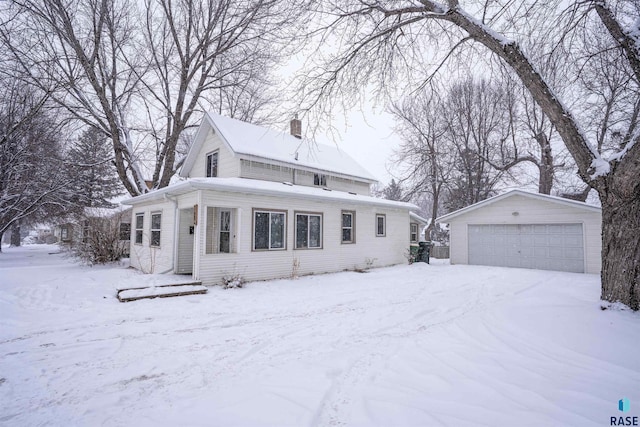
<point x="491" y="200"/>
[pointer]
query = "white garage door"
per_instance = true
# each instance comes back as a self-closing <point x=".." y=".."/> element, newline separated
<point x="540" y="246"/>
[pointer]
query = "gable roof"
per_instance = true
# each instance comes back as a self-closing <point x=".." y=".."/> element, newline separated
<point x="268" y="188"/>
<point x="535" y="196"/>
<point x="259" y="142"/>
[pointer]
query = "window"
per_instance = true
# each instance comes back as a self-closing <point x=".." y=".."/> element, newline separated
<point x="156" y="222"/>
<point x="212" y="165"/>
<point x="348" y="226"/>
<point x="308" y="231"/>
<point x="319" y="180"/>
<point x="225" y="232"/>
<point x="381" y="225"/>
<point x="64" y="232"/>
<point x="125" y="231"/>
<point x="139" y="227"/>
<point x="85" y="231"/>
<point x="414" y="232"/>
<point x="269" y="230"/>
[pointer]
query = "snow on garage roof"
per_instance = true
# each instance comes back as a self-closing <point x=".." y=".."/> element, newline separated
<point x="257" y="141"/>
<point x="538" y="196"/>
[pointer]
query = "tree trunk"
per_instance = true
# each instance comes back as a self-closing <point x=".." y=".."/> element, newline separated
<point x="15" y="234"/>
<point x="1" y="236"/>
<point x="621" y="250"/>
<point x="545" y="182"/>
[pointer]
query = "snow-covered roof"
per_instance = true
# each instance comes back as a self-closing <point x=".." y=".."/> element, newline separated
<point x="511" y="193"/>
<point x="255" y="141"/>
<point x="269" y="188"/>
<point x="415" y="217"/>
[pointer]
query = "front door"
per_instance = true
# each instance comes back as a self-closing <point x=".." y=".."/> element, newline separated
<point x="185" y="242"/>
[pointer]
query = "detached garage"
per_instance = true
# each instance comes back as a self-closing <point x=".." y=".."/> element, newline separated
<point x="527" y="230"/>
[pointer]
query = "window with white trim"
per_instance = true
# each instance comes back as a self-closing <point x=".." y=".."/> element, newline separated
<point x="319" y="180"/>
<point x="156" y="223"/>
<point x="212" y="165"/>
<point x="224" y="231"/>
<point x="64" y="232"/>
<point x="308" y="231"/>
<point x="381" y="225"/>
<point x="269" y="230"/>
<point x="348" y="227"/>
<point x="139" y="227"/>
<point x="414" y="232"/>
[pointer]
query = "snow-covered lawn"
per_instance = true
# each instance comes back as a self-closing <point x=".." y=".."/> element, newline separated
<point x="407" y="345"/>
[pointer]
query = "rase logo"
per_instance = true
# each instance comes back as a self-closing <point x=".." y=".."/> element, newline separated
<point x="623" y="406"/>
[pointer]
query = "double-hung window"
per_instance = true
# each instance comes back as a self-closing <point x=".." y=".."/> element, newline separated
<point x="139" y="227"/>
<point x="269" y="230"/>
<point x="414" y="232"/>
<point x="212" y="165"/>
<point x="308" y="230"/>
<point x="319" y="180"/>
<point x="381" y="225"/>
<point x="348" y="227"/>
<point x="156" y="222"/>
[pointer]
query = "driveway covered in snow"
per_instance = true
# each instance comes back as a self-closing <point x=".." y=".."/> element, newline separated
<point x="407" y="345"/>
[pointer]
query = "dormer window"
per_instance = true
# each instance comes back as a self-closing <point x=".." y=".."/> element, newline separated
<point x="319" y="180"/>
<point x="212" y="165"/>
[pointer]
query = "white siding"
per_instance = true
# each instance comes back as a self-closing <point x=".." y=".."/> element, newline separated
<point x="333" y="182"/>
<point x="228" y="165"/>
<point x="151" y="259"/>
<point x="530" y="211"/>
<point x="343" y="184"/>
<point x="261" y="170"/>
<point x="334" y="256"/>
<point x="158" y="260"/>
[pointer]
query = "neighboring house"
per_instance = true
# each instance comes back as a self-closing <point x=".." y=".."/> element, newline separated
<point x="417" y="227"/>
<point x="78" y="230"/>
<point x="260" y="204"/>
<point x="67" y="232"/>
<point x="527" y="230"/>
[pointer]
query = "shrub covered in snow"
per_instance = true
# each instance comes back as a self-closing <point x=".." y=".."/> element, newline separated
<point x="100" y="241"/>
<point x="231" y="281"/>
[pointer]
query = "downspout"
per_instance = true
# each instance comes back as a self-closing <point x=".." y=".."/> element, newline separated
<point x="175" y="233"/>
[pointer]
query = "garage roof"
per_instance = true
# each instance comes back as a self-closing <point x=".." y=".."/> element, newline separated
<point x="538" y="196"/>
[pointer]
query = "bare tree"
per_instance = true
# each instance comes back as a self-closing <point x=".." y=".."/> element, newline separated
<point x="139" y="71"/>
<point x="32" y="177"/>
<point x="382" y="39"/>
<point x="424" y="157"/>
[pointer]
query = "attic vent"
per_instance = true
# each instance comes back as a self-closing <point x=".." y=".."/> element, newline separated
<point x="288" y="183"/>
<point x="326" y="189"/>
<point x="351" y="192"/>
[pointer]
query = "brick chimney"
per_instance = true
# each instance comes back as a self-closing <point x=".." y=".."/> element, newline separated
<point x="296" y="127"/>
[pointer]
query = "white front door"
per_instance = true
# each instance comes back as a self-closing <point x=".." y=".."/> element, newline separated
<point x="184" y="254"/>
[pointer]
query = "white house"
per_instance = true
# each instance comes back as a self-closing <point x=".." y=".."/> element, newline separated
<point x="527" y="230"/>
<point x="262" y="204"/>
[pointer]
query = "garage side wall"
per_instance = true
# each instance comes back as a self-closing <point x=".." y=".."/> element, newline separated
<point x="529" y="211"/>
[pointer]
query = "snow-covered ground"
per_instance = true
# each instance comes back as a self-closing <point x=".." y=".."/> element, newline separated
<point x="407" y="345"/>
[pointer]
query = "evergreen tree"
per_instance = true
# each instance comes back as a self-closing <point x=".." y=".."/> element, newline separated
<point x="393" y="191"/>
<point x="95" y="181"/>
